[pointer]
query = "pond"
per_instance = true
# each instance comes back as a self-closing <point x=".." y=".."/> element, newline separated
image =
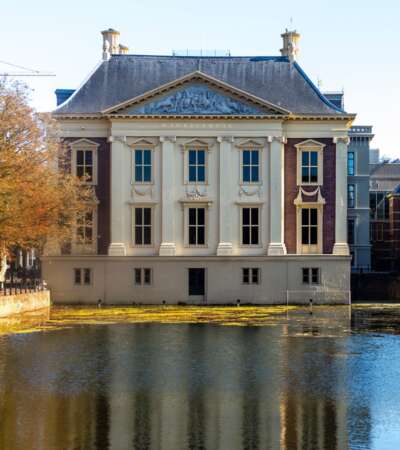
<point x="86" y="380"/>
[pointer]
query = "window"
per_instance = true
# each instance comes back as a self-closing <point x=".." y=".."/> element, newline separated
<point x="83" y="276"/>
<point x="251" y="275"/>
<point x="309" y="226"/>
<point x="350" y="163"/>
<point x="250" y="226"/>
<point x="309" y="166"/>
<point x="379" y="205"/>
<point x="143" y="165"/>
<point x="311" y="275"/>
<point x="84" y="229"/>
<point x="84" y="160"/>
<point x="84" y="164"/>
<point x="197" y="166"/>
<point x="197" y="226"/>
<point x="143" y="276"/>
<point x="350" y="231"/>
<point x="351" y="197"/>
<point x="250" y="166"/>
<point x="142" y="227"/>
<point x="310" y="162"/>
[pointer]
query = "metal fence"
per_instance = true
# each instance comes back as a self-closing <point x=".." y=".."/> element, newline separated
<point x="22" y="280"/>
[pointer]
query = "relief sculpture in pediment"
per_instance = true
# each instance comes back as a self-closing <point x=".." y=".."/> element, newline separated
<point x="196" y="99"/>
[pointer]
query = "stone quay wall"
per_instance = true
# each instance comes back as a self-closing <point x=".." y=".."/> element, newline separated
<point x="25" y="302"/>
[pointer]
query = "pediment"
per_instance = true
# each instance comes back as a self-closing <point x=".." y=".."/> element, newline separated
<point x="196" y="94"/>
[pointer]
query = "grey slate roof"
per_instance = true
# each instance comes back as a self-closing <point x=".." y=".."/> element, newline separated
<point x="273" y="79"/>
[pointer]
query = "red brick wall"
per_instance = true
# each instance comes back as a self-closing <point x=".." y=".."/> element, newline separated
<point x="327" y="191"/>
<point x="102" y="192"/>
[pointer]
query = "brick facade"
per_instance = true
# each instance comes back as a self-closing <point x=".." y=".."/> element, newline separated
<point x="102" y="190"/>
<point x="327" y="191"/>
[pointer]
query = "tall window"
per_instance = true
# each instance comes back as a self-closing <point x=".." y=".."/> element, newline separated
<point x="309" y="166"/>
<point x="84" y="229"/>
<point x="143" y="166"/>
<point x="351" y="196"/>
<point x="84" y="164"/>
<point x="250" y="166"/>
<point x="197" y="226"/>
<point x="250" y="226"/>
<point x="379" y="205"/>
<point x="142" y="226"/>
<point x="309" y="226"/>
<point x="350" y="231"/>
<point x="350" y="163"/>
<point x="197" y="166"/>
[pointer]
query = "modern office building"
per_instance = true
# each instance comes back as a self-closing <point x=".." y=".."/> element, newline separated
<point x="217" y="179"/>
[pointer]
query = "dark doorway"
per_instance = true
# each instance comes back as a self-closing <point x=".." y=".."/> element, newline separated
<point x="197" y="281"/>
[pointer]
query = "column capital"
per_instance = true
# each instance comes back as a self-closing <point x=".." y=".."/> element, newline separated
<point x="280" y="139"/>
<point x="229" y="139"/>
<point x="341" y="140"/>
<point x="168" y="139"/>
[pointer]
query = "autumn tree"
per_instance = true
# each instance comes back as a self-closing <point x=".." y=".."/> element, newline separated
<point x="38" y="202"/>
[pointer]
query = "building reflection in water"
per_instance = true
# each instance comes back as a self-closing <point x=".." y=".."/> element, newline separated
<point x="174" y="387"/>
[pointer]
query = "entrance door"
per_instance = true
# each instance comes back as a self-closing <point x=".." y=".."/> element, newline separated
<point x="197" y="283"/>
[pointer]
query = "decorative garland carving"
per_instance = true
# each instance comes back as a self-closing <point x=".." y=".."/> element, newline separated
<point x="195" y="193"/>
<point x="299" y="199"/>
<point x="143" y="191"/>
<point x="248" y="192"/>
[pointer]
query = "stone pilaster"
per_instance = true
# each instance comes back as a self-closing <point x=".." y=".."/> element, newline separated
<point x="167" y="247"/>
<point x="225" y="246"/>
<point x="276" y="199"/>
<point x="341" y="247"/>
<point x="117" y="245"/>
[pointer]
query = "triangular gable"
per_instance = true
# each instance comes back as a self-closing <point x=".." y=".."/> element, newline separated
<point x="196" y="94"/>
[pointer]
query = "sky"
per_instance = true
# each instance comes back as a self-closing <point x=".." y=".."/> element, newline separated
<point x="349" y="45"/>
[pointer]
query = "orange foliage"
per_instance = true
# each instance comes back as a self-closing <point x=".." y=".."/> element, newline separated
<point x="37" y="201"/>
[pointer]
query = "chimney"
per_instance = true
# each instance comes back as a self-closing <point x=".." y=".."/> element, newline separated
<point x="290" y="44"/>
<point x="110" y="43"/>
<point x="123" y="49"/>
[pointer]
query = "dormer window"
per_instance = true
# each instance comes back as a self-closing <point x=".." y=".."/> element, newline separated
<point x="84" y="160"/>
<point x="310" y="163"/>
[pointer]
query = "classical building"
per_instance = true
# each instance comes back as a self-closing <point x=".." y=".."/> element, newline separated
<point x="217" y="179"/>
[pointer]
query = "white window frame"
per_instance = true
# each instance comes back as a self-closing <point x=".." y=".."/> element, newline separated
<point x="195" y="144"/>
<point x="142" y="144"/>
<point x="251" y="206"/>
<point x="83" y="248"/>
<point x="142" y="206"/>
<point x="195" y="204"/>
<point x="250" y="145"/>
<point x="142" y="277"/>
<point x="307" y="249"/>
<point x="82" y="276"/>
<point x="309" y="271"/>
<point x="85" y="145"/>
<point x="250" y="269"/>
<point x="308" y="146"/>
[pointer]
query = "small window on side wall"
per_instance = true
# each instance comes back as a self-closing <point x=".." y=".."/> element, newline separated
<point x="250" y="275"/>
<point x="311" y="275"/>
<point x="143" y="276"/>
<point x="83" y="276"/>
